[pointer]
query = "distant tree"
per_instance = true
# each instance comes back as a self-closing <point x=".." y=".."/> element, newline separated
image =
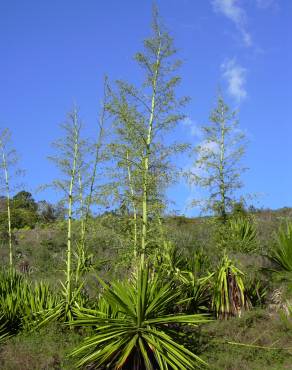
<point x="217" y="167"/>
<point x="24" y="199"/>
<point x="22" y="218"/>
<point x="143" y="116"/>
<point x="48" y="212"/>
<point x="23" y="211"/>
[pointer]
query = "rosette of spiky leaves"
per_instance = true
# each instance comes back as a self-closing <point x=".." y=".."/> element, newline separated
<point x="21" y="302"/>
<point x="170" y="259"/>
<point x="243" y="234"/>
<point x="189" y="275"/>
<point x="12" y="288"/>
<point x="64" y="310"/>
<point x="4" y="336"/>
<point x="228" y="290"/>
<point x="195" y="280"/>
<point x="196" y="290"/>
<point x="282" y="250"/>
<point x="41" y="299"/>
<point x="133" y="328"/>
<point x="256" y="291"/>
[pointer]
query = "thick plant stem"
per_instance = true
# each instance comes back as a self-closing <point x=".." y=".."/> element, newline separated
<point x="146" y="161"/>
<point x="221" y="170"/>
<point x="70" y="208"/>
<point x="5" y="167"/>
<point x="133" y="204"/>
<point x="81" y="246"/>
<point x="81" y="200"/>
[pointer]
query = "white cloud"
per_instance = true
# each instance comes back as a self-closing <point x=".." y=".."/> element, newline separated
<point x="233" y="11"/>
<point x="235" y="76"/>
<point x="196" y="195"/>
<point x="264" y="4"/>
<point x="204" y="148"/>
<point x="193" y="127"/>
<point x="208" y="147"/>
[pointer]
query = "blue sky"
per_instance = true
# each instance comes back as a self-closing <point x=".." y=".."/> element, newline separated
<point x="54" y="53"/>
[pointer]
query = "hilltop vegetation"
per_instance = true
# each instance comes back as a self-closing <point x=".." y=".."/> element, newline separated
<point x="264" y="329"/>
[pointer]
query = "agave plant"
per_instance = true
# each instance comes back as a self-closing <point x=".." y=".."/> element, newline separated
<point x="243" y="234"/>
<point x="133" y="328"/>
<point x="228" y="295"/>
<point x="40" y="299"/>
<point x="64" y="309"/>
<point x="21" y="302"/>
<point x="189" y="276"/>
<point x="282" y="251"/>
<point x="195" y="282"/>
<point x="169" y="259"/>
<point x="4" y="336"/>
<point x="255" y="290"/>
<point x="196" y="291"/>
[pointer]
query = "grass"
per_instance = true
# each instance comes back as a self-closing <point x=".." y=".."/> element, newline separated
<point x="44" y="350"/>
<point x="255" y="327"/>
<point x="48" y="349"/>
